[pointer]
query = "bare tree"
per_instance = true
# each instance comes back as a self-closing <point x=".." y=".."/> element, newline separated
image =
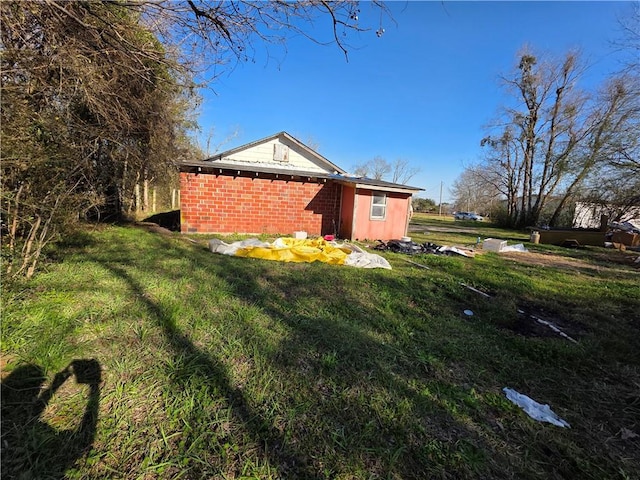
<point x="402" y="171"/>
<point x="546" y="126"/>
<point x="377" y="168"/>
<point x="502" y="170"/>
<point x="610" y="140"/>
<point x="559" y="139"/>
<point x="217" y="147"/>
<point x="230" y="31"/>
<point x="630" y="38"/>
<point x="361" y="170"/>
<point x="473" y="193"/>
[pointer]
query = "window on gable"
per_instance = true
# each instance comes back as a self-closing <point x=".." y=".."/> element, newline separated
<point x="378" y="206"/>
<point x="280" y="152"/>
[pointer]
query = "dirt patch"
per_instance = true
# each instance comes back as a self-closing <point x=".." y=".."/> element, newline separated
<point x="155" y="228"/>
<point x="6" y="363"/>
<point x="451" y="229"/>
<point x="596" y="263"/>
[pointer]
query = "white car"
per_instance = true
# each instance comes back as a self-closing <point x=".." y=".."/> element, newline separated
<point x="468" y="216"/>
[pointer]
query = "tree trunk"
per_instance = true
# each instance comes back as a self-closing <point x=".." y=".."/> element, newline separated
<point x="137" y="195"/>
<point x="145" y="194"/>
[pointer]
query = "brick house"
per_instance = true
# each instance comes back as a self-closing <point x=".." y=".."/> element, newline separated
<point x="278" y="185"/>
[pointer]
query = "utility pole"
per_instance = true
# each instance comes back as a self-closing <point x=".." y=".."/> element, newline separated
<point x="440" y="203"/>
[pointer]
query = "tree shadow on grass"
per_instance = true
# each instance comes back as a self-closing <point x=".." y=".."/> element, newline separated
<point x="329" y="367"/>
<point x="168" y="220"/>
<point x="355" y="377"/>
<point x="270" y="442"/>
<point x="337" y="353"/>
<point x="31" y="448"/>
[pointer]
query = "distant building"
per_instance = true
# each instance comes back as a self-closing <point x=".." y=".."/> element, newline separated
<point x="588" y="215"/>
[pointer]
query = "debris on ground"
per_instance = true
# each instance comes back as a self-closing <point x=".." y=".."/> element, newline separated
<point x="493" y="244"/>
<point x="501" y="246"/>
<point x="519" y="247"/>
<point x="413" y="248"/>
<point x="571" y="243"/>
<point x="407" y="247"/>
<point x="629" y="226"/>
<point x="626" y="434"/>
<point x="551" y="325"/>
<point x="459" y="251"/>
<point x="625" y="234"/>
<point x="301" y="250"/>
<point x="418" y="264"/>
<point x="535" y="410"/>
<point x="536" y="319"/>
<point x="475" y="290"/>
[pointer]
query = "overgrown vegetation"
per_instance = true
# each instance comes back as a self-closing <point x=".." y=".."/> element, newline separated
<point x="98" y="97"/>
<point x="223" y="367"/>
<point x="92" y="105"/>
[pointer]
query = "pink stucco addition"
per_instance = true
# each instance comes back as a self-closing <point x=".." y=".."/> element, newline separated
<point x="360" y="226"/>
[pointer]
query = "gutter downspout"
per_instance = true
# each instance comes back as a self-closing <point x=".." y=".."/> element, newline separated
<point x="340" y="211"/>
<point x="355" y="212"/>
<point x="409" y="215"/>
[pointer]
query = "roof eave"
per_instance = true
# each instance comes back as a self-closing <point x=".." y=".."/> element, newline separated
<point x="373" y="185"/>
<point x="386" y="188"/>
<point x="232" y="169"/>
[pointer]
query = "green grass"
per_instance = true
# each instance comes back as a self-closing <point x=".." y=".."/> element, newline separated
<point x="222" y="367"/>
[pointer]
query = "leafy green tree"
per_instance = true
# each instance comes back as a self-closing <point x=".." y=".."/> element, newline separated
<point x="424" y="205"/>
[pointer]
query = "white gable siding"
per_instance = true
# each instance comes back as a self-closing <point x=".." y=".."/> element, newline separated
<point x="263" y="155"/>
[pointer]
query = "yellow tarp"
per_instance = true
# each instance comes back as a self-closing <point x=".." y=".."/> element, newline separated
<point x="297" y="250"/>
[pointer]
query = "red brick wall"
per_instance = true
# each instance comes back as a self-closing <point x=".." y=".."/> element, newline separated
<point x="211" y="203"/>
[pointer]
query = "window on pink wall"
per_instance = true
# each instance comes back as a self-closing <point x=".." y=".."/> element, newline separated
<point x="378" y="206"/>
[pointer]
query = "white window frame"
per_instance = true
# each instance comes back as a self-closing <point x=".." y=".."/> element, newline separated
<point x="372" y="216"/>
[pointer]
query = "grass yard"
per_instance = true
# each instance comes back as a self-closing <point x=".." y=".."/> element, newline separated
<point x="141" y="355"/>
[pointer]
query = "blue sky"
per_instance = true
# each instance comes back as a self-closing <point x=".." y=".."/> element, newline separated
<point x="424" y="92"/>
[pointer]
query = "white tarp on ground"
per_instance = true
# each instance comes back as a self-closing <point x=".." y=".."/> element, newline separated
<point x="515" y="248"/>
<point x="301" y="250"/>
<point x="535" y="410"/>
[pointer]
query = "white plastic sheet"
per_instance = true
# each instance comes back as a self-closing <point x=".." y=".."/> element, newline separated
<point x="514" y="248"/>
<point x="535" y="410"/>
<point x="218" y="246"/>
<point x="366" y="260"/>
